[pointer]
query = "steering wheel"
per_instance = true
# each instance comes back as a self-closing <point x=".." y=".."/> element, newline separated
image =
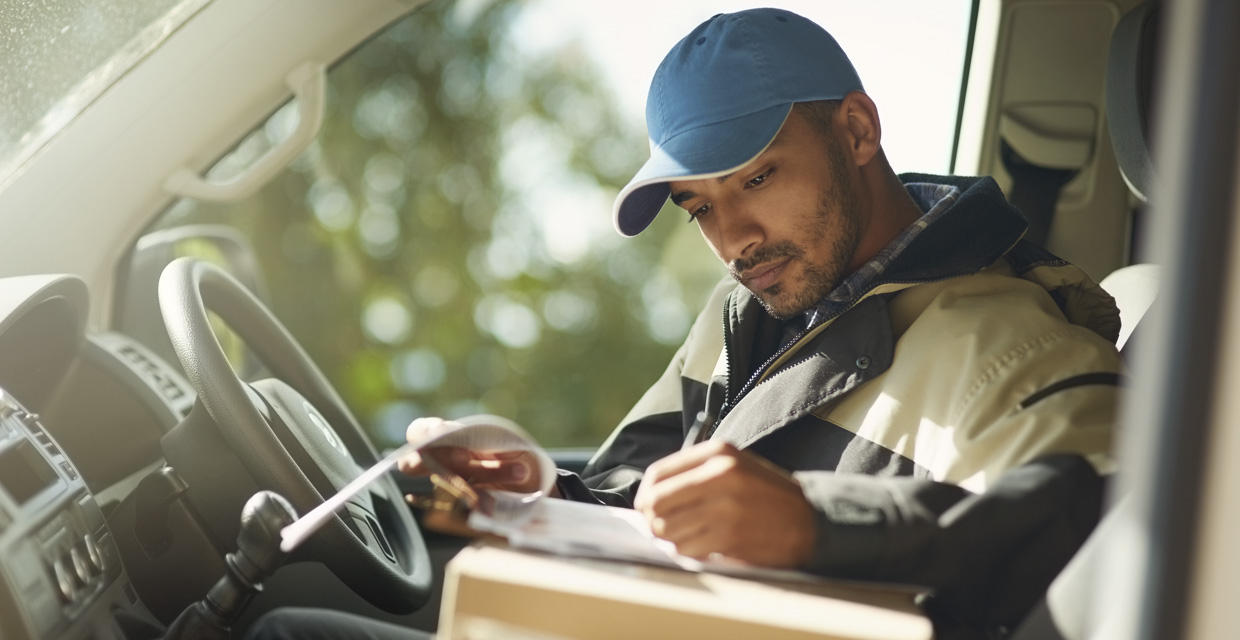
<point x="293" y="435"/>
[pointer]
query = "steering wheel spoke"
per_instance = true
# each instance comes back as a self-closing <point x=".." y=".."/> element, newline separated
<point x="368" y="529"/>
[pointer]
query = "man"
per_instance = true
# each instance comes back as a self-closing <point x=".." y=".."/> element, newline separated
<point x="900" y="388"/>
<point x="941" y="391"/>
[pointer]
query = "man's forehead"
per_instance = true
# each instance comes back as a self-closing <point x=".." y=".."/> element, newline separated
<point x="679" y="186"/>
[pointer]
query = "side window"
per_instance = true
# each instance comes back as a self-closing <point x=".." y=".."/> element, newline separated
<point x="445" y="246"/>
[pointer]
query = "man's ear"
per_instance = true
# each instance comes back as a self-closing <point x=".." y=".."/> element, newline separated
<point x="863" y="131"/>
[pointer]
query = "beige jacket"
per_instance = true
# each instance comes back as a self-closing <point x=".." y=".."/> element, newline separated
<point x="960" y="408"/>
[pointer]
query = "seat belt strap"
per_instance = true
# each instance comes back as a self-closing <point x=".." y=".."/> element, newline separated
<point x="1035" y="191"/>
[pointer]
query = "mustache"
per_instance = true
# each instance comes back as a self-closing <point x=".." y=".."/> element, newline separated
<point x="777" y="251"/>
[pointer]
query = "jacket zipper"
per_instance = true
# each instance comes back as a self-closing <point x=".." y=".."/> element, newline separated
<point x="729" y="402"/>
<point x="727" y="365"/>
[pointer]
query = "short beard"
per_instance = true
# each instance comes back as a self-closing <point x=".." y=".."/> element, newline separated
<point x="839" y="199"/>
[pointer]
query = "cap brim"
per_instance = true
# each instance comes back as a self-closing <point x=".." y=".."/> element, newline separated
<point x="705" y="152"/>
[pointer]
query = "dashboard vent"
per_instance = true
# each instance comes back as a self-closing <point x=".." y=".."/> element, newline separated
<point x="153" y="372"/>
<point x="40" y="436"/>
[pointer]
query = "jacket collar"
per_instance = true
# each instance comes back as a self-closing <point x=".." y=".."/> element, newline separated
<point x="980" y="229"/>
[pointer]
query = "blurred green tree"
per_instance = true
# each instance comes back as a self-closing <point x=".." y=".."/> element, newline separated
<point x="437" y="249"/>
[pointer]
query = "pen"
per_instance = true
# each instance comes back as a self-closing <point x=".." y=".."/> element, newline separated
<point x="699" y="430"/>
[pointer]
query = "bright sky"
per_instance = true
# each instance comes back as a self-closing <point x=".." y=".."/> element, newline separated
<point x="909" y="53"/>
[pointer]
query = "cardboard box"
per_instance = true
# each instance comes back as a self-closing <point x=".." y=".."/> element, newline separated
<point x="492" y="592"/>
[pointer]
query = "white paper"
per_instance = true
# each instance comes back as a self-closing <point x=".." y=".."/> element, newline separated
<point x="528" y="520"/>
<point x="484" y="434"/>
<point x="297" y="532"/>
<point x="570" y="528"/>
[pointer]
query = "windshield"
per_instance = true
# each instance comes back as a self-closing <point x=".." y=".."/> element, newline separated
<point x="57" y="57"/>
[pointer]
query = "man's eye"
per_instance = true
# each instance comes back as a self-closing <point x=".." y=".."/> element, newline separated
<point x="698" y="212"/>
<point x="760" y="179"/>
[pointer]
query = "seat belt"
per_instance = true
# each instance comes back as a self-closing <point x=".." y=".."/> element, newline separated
<point x="1035" y="191"/>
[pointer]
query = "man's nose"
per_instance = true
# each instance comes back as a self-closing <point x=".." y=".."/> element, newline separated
<point x="740" y="233"/>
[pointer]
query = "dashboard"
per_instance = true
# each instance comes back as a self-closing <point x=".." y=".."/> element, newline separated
<point x="91" y="522"/>
<point x="59" y="560"/>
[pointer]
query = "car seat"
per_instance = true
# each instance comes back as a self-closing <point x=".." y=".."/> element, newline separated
<point x="1067" y="612"/>
<point x="1130" y="85"/>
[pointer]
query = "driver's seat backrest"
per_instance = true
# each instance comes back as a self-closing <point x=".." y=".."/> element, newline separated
<point x="1065" y="612"/>
<point x="1130" y="89"/>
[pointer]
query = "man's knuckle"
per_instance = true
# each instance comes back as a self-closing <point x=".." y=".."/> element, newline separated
<point x="654" y="472"/>
<point x="724" y="465"/>
<point x="655" y="502"/>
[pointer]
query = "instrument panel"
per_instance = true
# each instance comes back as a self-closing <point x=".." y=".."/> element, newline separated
<point x="56" y="552"/>
<point x="61" y="574"/>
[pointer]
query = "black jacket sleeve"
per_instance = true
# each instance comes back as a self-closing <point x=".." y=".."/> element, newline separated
<point x="614" y="474"/>
<point x="987" y="557"/>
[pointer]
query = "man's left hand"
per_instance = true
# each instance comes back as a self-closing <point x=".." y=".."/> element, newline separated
<point x="715" y="499"/>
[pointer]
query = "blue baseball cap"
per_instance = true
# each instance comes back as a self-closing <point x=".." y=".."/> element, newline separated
<point x="722" y="94"/>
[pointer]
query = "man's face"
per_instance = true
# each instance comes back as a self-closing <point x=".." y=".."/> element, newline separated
<point x="787" y="225"/>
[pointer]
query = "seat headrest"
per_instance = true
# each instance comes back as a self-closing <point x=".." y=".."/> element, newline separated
<point x="1130" y="87"/>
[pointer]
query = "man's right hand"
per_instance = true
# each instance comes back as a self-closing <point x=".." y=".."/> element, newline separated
<point x="502" y="470"/>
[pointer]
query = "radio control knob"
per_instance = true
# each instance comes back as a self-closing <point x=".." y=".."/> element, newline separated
<point x="94" y="557"/>
<point x="64" y="581"/>
<point x="81" y="565"/>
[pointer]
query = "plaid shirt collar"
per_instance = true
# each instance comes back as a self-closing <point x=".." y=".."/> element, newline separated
<point x="934" y="200"/>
